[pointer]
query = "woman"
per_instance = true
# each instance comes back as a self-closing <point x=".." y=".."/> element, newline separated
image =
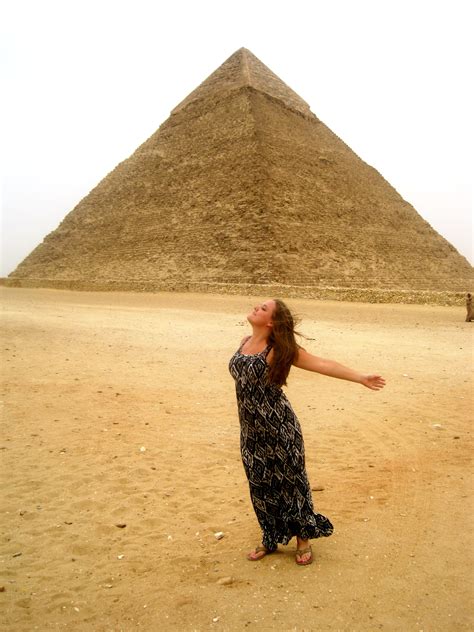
<point x="271" y="442"/>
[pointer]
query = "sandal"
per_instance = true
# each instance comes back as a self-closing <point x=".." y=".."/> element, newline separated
<point x="300" y="553"/>
<point x="258" y="549"/>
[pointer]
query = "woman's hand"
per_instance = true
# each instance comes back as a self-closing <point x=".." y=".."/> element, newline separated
<point x="374" y="382"/>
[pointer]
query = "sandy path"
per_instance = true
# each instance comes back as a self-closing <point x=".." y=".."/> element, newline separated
<point x="89" y="379"/>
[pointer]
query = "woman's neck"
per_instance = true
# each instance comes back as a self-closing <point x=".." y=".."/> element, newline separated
<point x="260" y="334"/>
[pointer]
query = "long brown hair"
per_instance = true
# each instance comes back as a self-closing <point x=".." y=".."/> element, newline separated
<point x="283" y="342"/>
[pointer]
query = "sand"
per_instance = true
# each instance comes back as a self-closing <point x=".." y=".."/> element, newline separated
<point x="118" y="409"/>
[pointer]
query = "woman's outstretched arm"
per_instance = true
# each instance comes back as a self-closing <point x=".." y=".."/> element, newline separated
<point x="309" y="362"/>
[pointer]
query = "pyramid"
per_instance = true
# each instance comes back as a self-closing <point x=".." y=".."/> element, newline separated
<point x="244" y="188"/>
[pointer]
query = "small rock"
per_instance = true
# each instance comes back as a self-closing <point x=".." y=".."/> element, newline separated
<point x="17" y="554"/>
<point x="216" y="619"/>
<point x="318" y="488"/>
<point x="219" y="535"/>
<point x="120" y="525"/>
<point x="437" y="426"/>
<point x="2" y="588"/>
<point x="108" y="585"/>
<point x="143" y="449"/>
<point x="225" y="581"/>
<point x="120" y="557"/>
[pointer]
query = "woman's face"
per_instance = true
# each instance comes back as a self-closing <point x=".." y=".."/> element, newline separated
<point x="261" y="315"/>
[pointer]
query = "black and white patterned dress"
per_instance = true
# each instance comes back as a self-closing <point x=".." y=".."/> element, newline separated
<point x="272" y="451"/>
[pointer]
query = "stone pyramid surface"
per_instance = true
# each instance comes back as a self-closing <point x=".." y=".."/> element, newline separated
<point x="243" y="188"/>
<point x="241" y="70"/>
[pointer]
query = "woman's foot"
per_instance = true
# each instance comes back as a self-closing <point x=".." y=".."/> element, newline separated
<point x="258" y="553"/>
<point x="304" y="553"/>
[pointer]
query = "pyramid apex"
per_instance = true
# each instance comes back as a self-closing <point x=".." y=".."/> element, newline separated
<point x="243" y="51"/>
<point x="244" y="69"/>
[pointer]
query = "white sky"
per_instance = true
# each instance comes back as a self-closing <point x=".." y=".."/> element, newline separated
<point x="87" y="81"/>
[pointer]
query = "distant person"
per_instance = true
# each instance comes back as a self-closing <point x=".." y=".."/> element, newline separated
<point x="271" y="441"/>
<point x="470" y="313"/>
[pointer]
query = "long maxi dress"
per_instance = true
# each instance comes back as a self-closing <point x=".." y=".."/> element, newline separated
<point x="272" y="451"/>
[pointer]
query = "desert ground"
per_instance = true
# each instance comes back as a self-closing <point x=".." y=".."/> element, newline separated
<point x="120" y="462"/>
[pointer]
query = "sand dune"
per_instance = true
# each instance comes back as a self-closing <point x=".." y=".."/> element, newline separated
<point x="118" y="409"/>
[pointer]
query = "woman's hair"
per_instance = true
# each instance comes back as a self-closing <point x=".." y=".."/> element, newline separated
<point x="283" y="342"/>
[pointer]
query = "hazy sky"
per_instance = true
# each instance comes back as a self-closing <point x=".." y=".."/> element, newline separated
<point x="87" y="81"/>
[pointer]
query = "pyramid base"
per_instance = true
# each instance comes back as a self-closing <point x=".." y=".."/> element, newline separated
<point x="362" y="295"/>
